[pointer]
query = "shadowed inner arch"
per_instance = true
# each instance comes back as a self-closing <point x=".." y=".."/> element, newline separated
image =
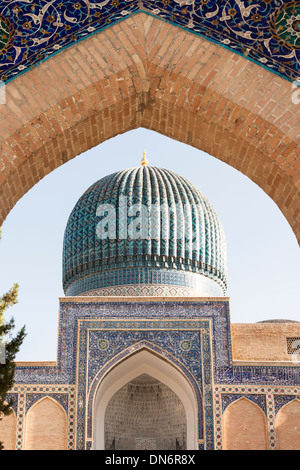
<point x="145" y="414"/>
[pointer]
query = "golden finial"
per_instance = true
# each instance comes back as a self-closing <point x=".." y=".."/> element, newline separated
<point x="144" y="161"/>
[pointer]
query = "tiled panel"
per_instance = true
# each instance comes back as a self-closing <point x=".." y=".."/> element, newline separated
<point x="266" y="32"/>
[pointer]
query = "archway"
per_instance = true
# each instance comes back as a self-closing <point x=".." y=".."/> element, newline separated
<point x="141" y="363"/>
<point x="194" y="91"/>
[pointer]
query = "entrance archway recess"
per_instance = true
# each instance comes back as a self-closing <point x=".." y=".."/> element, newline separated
<point x="144" y="72"/>
<point x="144" y="362"/>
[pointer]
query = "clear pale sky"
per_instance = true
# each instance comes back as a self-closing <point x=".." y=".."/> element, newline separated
<point x="263" y="253"/>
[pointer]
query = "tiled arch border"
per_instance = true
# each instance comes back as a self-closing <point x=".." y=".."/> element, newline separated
<point x="172" y="362"/>
<point x="143" y="72"/>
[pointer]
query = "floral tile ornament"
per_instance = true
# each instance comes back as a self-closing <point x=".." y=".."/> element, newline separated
<point x="266" y="32"/>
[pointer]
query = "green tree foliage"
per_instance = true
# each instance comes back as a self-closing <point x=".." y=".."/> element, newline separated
<point x="9" y="348"/>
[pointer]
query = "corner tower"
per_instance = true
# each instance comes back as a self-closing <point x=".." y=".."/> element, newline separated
<point x="144" y="231"/>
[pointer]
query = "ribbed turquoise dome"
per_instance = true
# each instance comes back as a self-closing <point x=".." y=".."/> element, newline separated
<point x="144" y="231"/>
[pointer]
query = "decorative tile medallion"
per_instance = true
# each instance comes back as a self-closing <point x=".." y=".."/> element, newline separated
<point x="266" y="32"/>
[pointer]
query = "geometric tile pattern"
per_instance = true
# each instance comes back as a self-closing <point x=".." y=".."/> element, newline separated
<point x="266" y="32"/>
<point x="293" y="345"/>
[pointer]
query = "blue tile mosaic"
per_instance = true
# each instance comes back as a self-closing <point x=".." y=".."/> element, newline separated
<point x="217" y="311"/>
<point x="263" y="375"/>
<point x="265" y="31"/>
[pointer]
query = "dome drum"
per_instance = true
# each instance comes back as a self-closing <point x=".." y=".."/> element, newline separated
<point x="144" y="281"/>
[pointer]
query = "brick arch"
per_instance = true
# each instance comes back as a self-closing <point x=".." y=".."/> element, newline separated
<point x="143" y="72"/>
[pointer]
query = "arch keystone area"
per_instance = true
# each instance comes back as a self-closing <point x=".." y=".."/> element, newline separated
<point x="143" y="72"/>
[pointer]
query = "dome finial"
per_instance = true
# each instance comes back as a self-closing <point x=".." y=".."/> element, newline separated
<point x="144" y="160"/>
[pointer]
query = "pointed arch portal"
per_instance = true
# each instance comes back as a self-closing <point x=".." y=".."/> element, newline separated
<point x="136" y="365"/>
<point x="144" y="72"/>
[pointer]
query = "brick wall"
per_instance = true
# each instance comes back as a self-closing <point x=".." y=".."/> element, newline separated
<point x="263" y="341"/>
